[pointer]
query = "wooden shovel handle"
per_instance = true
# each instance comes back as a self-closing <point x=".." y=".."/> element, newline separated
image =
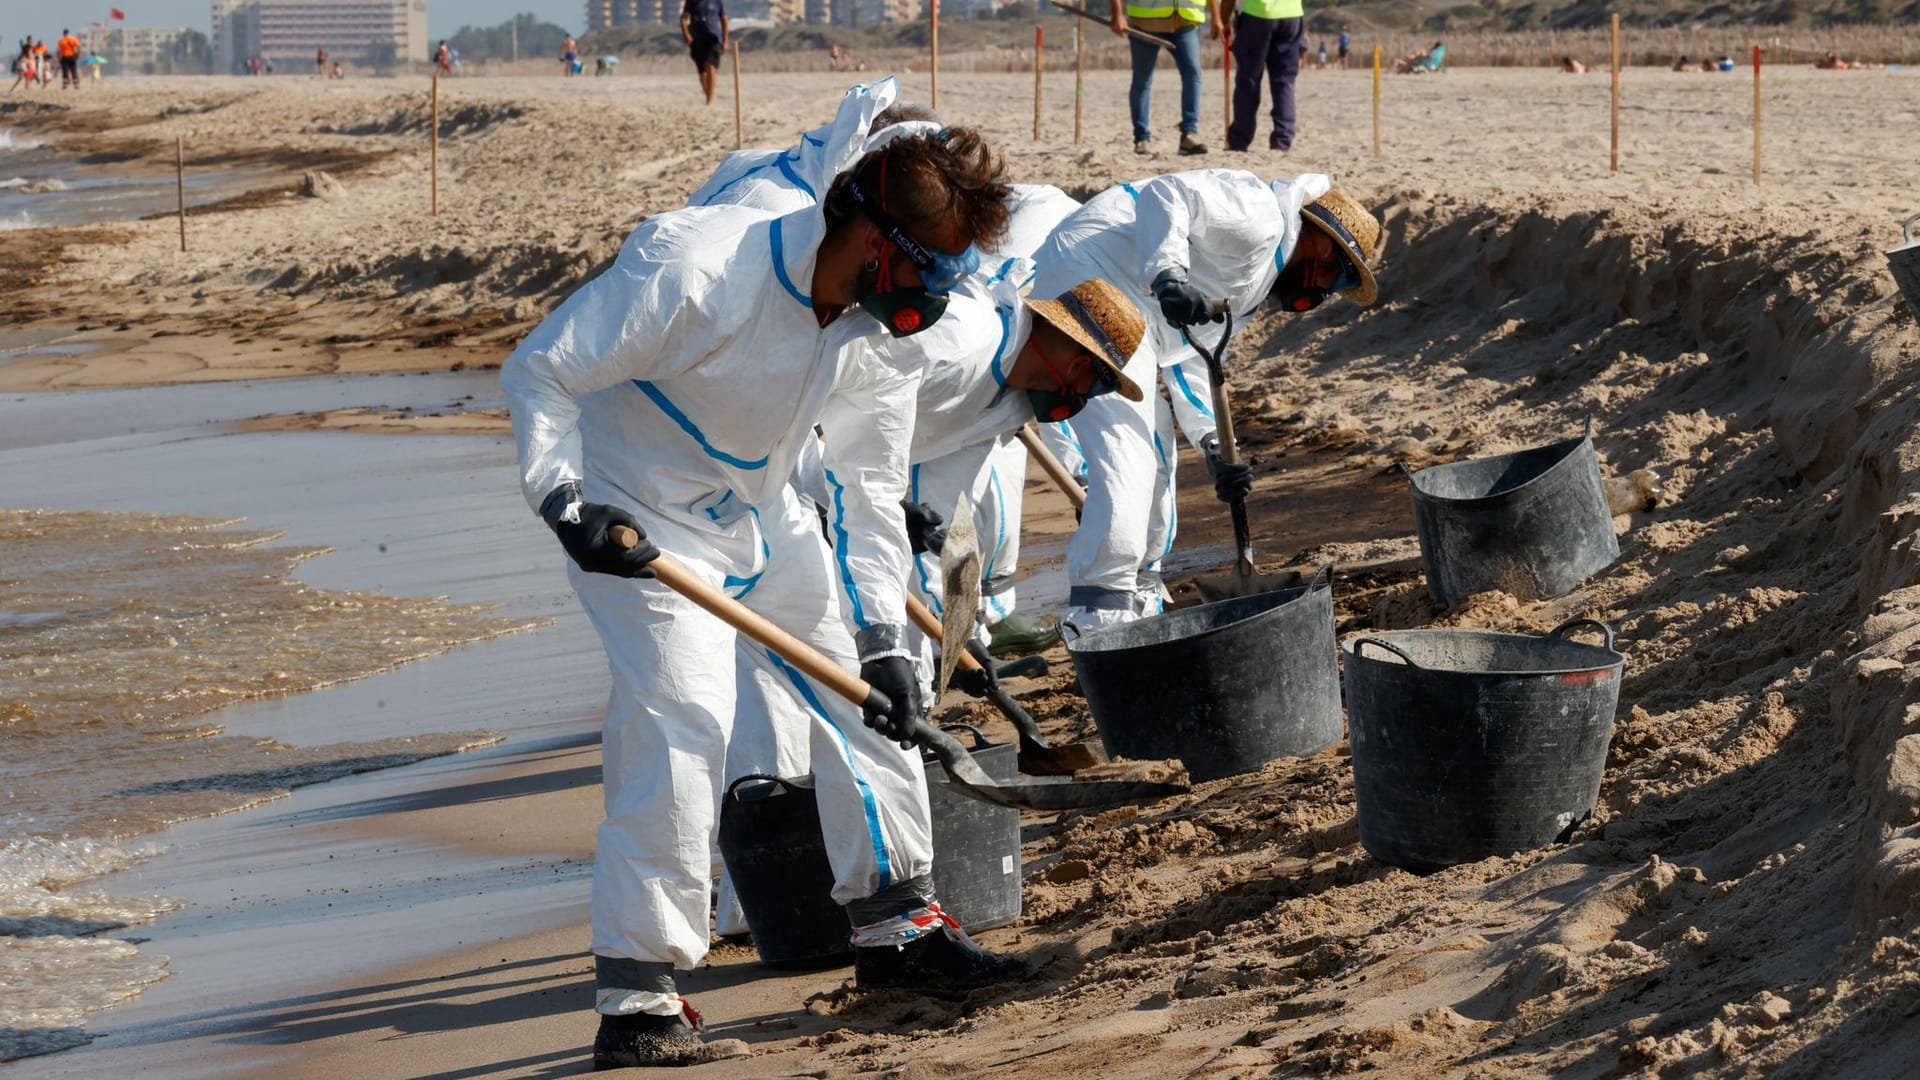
<point x="1062" y="479"/>
<point x="929" y="625"/>
<point x="811" y="662"/>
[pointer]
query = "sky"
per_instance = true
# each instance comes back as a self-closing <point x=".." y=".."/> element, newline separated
<point x="41" y="19"/>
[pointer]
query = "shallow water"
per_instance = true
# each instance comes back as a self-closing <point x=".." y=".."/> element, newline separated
<point x="40" y="186"/>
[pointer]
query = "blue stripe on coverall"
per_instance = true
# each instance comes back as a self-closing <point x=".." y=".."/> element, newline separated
<point x="687" y="425"/>
<point x="840" y="549"/>
<point x="919" y="564"/>
<point x="872" y="811"/>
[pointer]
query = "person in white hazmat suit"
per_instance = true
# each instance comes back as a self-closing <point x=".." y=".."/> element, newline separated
<point x="671" y="395"/>
<point x="1176" y="243"/>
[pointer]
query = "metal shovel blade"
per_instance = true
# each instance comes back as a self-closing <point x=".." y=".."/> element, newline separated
<point x="967" y="778"/>
<point x="959" y="590"/>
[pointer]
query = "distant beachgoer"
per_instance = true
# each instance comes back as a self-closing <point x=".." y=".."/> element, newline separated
<point x="569" y="56"/>
<point x="337" y="73"/>
<point x="1685" y="63"/>
<point x="1707" y="64"/>
<point x="69" y="61"/>
<point x="1726" y="63"/>
<point x="43" y="62"/>
<point x="93" y="63"/>
<point x="1346" y="42"/>
<point x="1428" y="61"/>
<point x="269" y="67"/>
<point x="704" y="27"/>
<point x="1320" y="58"/>
<point x="1572" y="67"/>
<point x="23" y="66"/>
<point x="443" y="59"/>
<point x="453" y="57"/>
<point x="320" y="62"/>
<point x="1831" y="62"/>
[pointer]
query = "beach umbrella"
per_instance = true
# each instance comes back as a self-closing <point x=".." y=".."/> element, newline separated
<point x="94" y="60"/>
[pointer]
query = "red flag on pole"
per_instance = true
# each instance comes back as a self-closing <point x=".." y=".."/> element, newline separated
<point x="116" y="13"/>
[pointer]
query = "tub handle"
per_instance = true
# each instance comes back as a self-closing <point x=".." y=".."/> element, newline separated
<point x="1389" y="646"/>
<point x="780" y="780"/>
<point x="1322" y="578"/>
<point x="979" y="737"/>
<point x="1606" y="632"/>
<point x="1906" y="229"/>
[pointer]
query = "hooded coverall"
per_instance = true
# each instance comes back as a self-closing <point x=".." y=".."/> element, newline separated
<point x="1229" y="231"/>
<point x="679" y="385"/>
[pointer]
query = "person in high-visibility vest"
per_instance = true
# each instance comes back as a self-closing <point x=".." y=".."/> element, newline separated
<point x="1176" y="22"/>
<point x="1267" y="35"/>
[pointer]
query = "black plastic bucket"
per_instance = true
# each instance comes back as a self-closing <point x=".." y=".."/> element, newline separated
<point x="770" y="838"/>
<point x="1469" y="744"/>
<point x="1225" y="687"/>
<point x="976" y="846"/>
<point x="1533" y="523"/>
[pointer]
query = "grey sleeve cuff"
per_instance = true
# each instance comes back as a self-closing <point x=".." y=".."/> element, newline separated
<point x="881" y="639"/>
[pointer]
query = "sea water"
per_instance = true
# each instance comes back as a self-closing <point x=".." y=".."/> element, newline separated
<point x="41" y="185"/>
<point x="119" y="633"/>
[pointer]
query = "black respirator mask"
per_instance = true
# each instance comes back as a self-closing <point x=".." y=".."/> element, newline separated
<point x="1304" y="286"/>
<point x="906" y="309"/>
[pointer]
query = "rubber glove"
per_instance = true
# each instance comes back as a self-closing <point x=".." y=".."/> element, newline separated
<point x="926" y="530"/>
<point x="1231" y="483"/>
<point x="583" y="529"/>
<point x="893" y="676"/>
<point x="1181" y="303"/>
<point x="976" y="683"/>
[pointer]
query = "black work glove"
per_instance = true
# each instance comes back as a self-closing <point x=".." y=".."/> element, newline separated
<point x="1231" y="483"/>
<point x="893" y="676"/>
<point x="586" y="536"/>
<point x="926" y="530"/>
<point x="976" y="683"/>
<point x="1181" y="303"/>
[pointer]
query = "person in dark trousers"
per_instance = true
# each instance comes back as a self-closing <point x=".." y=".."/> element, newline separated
<point x="1267" y="36"/>
<point x="703" y="24"/>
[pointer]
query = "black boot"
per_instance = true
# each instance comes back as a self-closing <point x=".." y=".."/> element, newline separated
<point x="627" y="1042"/>
<point x="944" y="960"/>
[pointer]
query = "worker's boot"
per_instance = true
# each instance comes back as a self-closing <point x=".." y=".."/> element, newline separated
<point x="643" y="1040"/>
<point x="1018" y="634"/>
<point x="943" y="960"/>
<point x="1190" y="144"/>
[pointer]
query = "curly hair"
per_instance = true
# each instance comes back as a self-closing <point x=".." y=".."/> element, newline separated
<point x="933" y="180"/>
<point x="901" y="112"/>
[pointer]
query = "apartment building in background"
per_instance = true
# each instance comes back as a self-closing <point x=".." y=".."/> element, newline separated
<point x="133" y="50"/>
<point x="288" y="33"/>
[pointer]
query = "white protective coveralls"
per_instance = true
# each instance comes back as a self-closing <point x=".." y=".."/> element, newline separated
<point x="963" y="433"/>
<point x="680" y="385"/>
<point x="1230" y="232"/>
<point x="781" y="182"/>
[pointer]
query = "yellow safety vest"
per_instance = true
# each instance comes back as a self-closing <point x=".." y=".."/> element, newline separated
<point x="1193" y="11"/>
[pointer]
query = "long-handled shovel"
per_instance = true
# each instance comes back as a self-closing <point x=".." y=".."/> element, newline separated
<point x="1051" y="465"/>
<point x="964" y="774"/>
<point x="1036" y="757"/>
<point x="1244" y="581"/>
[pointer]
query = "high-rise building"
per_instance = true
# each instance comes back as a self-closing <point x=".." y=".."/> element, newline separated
<point x="602" y="14"/>
<point x="134" y="50"/>
<point x="289" y="33"/>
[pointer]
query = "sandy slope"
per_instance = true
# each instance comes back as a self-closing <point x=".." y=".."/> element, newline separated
<point x="1744" y="902"/>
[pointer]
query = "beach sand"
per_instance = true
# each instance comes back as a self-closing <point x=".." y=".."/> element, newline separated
<point x="1744" y="901"/>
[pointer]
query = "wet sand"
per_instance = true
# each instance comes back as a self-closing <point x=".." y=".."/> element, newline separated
<point x="1742" y="902"/>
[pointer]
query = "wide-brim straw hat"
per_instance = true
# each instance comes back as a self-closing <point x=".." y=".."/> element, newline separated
<point x="1101" y="320"/>
<point x="1356" y="230"/>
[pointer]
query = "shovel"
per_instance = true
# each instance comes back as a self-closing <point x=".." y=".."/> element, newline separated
<point x="964" y="774"/>
<point x="1244" y="581"/>
<point x="1051" y="465"/>
<point x="1036" y="757"/>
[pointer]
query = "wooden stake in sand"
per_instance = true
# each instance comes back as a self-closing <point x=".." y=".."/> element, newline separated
<point x="433" y="154"/>
<point x="1039" y="41"/>
<point x="933" y="24"/>
<point x="1756" y="114"/>
<point x="739" y="124"/>
<point x="1226" y="74"/>
<point x="1614" y="158"/>
<point x="1079" y="76"/>
<point x="1376" y="101"/>
<point x="180" y="183"/>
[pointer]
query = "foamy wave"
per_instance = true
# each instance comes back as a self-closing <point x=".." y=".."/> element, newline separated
<point x="10" y="141"/>
<point x="21" y="220"/>
<point x="32" y="870"/>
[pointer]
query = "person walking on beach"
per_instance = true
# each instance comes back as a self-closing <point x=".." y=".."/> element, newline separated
<point x="69" y="61"/>
<point x="704" y="27"/>
<point x="1176" y="22"/>
<point x="1269" y="36"/>
<point x="569" y="56"/>
<point x="320" y="61"/>
<point x="672" y="396"/>
<point x="1346" y="43"/>
<point x="443" y="58"/>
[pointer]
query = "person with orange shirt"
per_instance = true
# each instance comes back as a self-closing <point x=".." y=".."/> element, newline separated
<point x="69" y="47"/>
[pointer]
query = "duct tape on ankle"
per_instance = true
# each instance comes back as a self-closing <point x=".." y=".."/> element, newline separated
<point x="614" y="1001"/>
<point x="902" y="928"/>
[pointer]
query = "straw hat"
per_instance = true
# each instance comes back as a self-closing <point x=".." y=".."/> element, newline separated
<point x="1103" y="321"/>
<point x="1341" y="216"/>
